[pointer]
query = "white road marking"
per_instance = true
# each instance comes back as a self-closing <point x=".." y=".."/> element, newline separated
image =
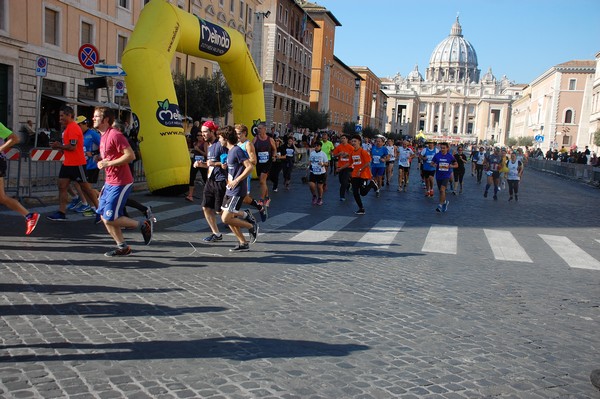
<point x="441" y="239"/>
<point x="570" y="252"/>
<point x="381" y="235"/>
<point x="505" y="246"/>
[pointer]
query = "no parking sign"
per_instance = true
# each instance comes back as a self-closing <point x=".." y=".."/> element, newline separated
<point x="119" y="88"/>
<point x="41" y="67"/>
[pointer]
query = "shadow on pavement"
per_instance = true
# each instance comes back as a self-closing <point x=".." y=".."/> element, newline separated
<point x="103" y="309"/>
<point x="234" y="348"/>
<point x="62" y="289"/>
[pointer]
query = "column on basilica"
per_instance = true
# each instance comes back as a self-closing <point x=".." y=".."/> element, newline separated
<point x="451" y="127"/>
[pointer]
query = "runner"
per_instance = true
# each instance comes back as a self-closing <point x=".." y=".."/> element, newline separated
<point x="7" y="140"/>
<point x="379" y="156"/>
<point x="318" y="173"/>
<point x="214" y="187"/>
<point x="389" y="164"/>
<point x="491" y="165"/>
<point x="405" y="156"/>
<point x="362" y="181"/>
<point x="238" y="168"/>
<point x="443" y="162"/>
<point x="515" y="171"/>
<point x="265" y="151"/>
<point x="115" y="156"/>
<point x="343" y="165"/>
<point x="479" y="159"/>
<point x="250" y="151"/>
<point x="428" y="169"/>
<point x="459" y="172"/>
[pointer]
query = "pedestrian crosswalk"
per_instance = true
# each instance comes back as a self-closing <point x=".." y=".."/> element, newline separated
<point x="374" y="234"/>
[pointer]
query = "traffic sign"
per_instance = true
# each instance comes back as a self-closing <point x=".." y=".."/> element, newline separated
<point x="539" y="138"/>
<point x="88" y="56"/>
<point x="119" y="88"/>
<point x="41" y="67"/>
<point x="358" y="128"/>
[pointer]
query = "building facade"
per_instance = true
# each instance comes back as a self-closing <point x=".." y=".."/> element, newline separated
<point x="594" y="126"/>
<point x="453" y="102"/>
<point x="283" y="53"/>
<point x="56" y="29"/>
<point x="555" y="108"/>
<point x="343" y="92"/>
<point x="371" y="100"/>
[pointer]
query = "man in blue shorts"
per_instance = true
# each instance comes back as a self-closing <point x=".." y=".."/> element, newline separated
<point x="428" y="169"/>
<point x="443" y="162"/>
<point x="116" y="154"/>
<point x="239" y="168"/>
<point x="379" y="156"/>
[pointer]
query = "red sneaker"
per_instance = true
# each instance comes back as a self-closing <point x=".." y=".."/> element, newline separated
<point x="32" y="222"/>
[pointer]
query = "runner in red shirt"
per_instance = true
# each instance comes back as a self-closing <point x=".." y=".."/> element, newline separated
<point x="362" y="180"/>
<point x="343" y="165"/>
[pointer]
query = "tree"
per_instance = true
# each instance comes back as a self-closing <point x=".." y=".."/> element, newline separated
<point x="311" y="119"/>
<point x="597" y="137"/>
<point x="203" y="97"/>
<point x="349" y="128"/>
<point x="525" y="141"/>
<point x="511" y="141"/>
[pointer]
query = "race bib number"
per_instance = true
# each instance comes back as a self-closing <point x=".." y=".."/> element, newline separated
<point x="444" y="166"/>
<point x="376" y="159"/>
<point x="289" y="152"/>
<point x="356" y="160"/>
<point x="263" y="157"/>
<point x="199" y="158"/>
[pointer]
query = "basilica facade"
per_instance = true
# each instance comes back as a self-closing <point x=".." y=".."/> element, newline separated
<point x="453" y="102"/>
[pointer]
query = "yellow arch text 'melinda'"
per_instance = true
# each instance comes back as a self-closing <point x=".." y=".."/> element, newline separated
<point x="161" y="30"/>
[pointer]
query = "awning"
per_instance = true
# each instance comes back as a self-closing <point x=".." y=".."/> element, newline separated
<point x="63" y="99"/>
<point x="92" y="103"/>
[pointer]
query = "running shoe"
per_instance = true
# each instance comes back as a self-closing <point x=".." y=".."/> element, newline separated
<point x="31" y="221"/>
<point x="485" y="194"/>
<point x="213" y="238"/>
<point x="314" y="200"/>
<point x="275" y="190"/>
<point x="119" y="252"/>
<point x="75" y="202"/>
<point x="89" y="213"/>
<point x="342" y="199"/>
<point x="510" y="198"/>
<point x="149" y="215"/>
<point x="495" y="197"/>
<point x="264" y="213"/>
<point x="439" y="208"/>
<point x="245" y="247"/>
<point x="57" y="216"/>
<point x="267" y="202"/>
<point x="400" y="189"/>
<point x="253" y="232"/>
<point x="445" y="206"/>
<point x="360" y="212"/>
<point x="249" y="216"/>
<point x="146" y="230"/>
<point x="320" y="201"/>
<point x="82" y="208"/>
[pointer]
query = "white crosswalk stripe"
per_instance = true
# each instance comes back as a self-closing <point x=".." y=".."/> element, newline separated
<point x="570" y="252"/>
<point x="505" y="246"/>
<point x="441" y="239"/>
<point x="324" y="230"/>
<point x="381" y="235"/>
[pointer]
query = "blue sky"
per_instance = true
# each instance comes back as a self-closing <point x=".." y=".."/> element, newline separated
<point x="520" y="39"/>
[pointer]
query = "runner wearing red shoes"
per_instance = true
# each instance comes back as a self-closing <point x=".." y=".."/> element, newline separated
<point x="7" y="140"/>
<point x="428" y="169"/>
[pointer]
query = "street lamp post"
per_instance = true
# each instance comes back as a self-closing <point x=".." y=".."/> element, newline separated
<point x="384" y="116"/>
<point x="356" y="98"/>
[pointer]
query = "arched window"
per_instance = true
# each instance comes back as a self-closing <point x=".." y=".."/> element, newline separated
<point x="568" y="116"/>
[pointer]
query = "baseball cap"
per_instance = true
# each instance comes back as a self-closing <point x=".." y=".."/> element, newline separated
<point x="80" y="119"/>
<point x="210" y="125"/>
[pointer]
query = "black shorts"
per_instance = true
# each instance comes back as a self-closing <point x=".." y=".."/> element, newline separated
<point x="3" y="167"/>
<point x="263" y="168"/>
<point x="428" y="173"/>
<point x="318" y="179"/>
<point x="406" y="169"/>
<point x="442" y="182"/>
<point x="214" y="193"/>
<point x="92" y="175"/>
<point x="232" y="203"/>
<point x="73" y="173"/>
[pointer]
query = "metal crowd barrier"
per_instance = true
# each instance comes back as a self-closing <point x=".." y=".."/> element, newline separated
<point x="34" y="174"/>
<point x="586" y="173"/>
<point x="12" y="181"/>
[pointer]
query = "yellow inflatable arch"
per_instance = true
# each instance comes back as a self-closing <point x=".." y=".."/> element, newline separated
<point x="161" y="30"/>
